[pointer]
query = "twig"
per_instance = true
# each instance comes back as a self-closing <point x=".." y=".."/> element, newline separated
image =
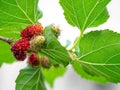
<point x="7" y="40"/>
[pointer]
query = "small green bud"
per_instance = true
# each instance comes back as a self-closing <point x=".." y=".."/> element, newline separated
<point x="56" y="30"/>
<point x="73" y="56"/>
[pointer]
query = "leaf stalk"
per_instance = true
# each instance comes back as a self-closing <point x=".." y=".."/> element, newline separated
<point x="76" y="42"/>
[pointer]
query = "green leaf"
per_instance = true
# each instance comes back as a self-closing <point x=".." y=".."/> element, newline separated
<point x="30" y="79"/>
<point x="53" y="49"/>
<point x="78" y="69"/>
<point x="85" y="13"/>
<point x="5" y="53"/>
<point x="53" y="73"/>
<point x="17" y="14"/>
<point x="99" y="53"/>
<point x="12" y="31"/>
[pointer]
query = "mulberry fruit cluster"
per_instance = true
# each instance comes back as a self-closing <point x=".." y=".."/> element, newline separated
<point x="20" y="47"/>
<point x="29" y="45"/>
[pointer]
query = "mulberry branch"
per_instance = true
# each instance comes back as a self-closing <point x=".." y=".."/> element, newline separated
<point x="7" y="40"/>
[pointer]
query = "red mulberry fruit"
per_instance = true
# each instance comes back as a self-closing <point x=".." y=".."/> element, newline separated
<point x="20" y="56"/>
<point x="20" y="46"/>
<point x="31" y="31"/>
<point x="33" y="60"/>
<point x="19" y="49"/>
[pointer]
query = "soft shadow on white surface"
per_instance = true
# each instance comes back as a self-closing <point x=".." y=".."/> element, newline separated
<point x="8" y="75"/>
<point x="70" y="81"/>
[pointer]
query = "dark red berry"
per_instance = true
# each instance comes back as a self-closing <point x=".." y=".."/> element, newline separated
<point x="20" y="56"/>
<point x="31" y="31"/>
<point x="33" y="60"/>
<point x="20" y="46"/>
<point x="19" y="49"/>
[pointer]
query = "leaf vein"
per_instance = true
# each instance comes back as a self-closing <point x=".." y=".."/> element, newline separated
<point x="8" y="3"/>
<point x="84" y="25"/>
<point x="75" y="14"/>
<point x="12" y="15"/>
<point x="29" y="79"/>
<point x="96" y="17"/>
<point x="24" y="12"/>
<point x="99" y="49"/>
<point x="111" y="58"/>
<point x="103" y="73"/>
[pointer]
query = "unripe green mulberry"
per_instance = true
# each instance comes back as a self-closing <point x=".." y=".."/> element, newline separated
<point x="56" y="30"/>
<point x="37" y="43"/>
<point x="45" y="62"/>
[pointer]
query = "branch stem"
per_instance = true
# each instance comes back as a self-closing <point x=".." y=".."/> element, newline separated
<point x="7" y="40"/>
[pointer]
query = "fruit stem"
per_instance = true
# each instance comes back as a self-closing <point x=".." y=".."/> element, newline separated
<point x="8" y="40"/>
<point x="76" y="42"/>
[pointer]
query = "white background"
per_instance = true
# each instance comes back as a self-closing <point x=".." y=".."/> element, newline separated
<point x="52" y="13"/>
